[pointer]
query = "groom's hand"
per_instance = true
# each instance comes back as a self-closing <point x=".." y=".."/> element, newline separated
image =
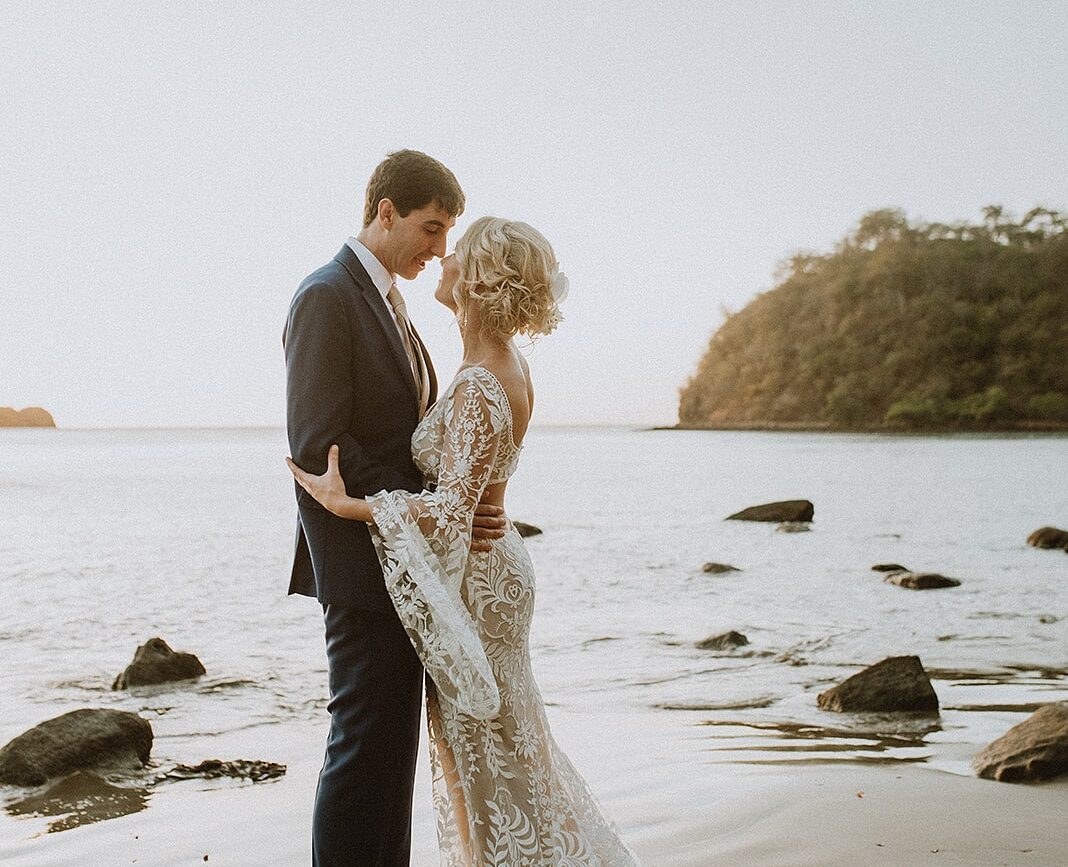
<point x="489" y="524"/>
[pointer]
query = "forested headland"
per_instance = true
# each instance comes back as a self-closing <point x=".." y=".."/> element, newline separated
<point x="902" y="326"/>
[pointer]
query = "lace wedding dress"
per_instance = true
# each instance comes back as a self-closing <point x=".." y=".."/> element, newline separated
<point x="504" y="793"/>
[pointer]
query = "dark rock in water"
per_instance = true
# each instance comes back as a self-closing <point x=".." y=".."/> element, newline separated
<point x="1048" y="537"/>
<point x="155" y="662"/>
<point x="719" y="568"/>
<point x="212" y="769"/>
<point x="1036" y="749"/>
<point x="80" y="799"/>
<point x="1047" y="618"/>
<point x="87" y="738"/>
<point x="920" y="580"/>
<point x="792" y="527"/>
<point x="898" y="683"/>
<point x="784" y="510"/>
<point x="526" y="529"/>
<point x="889" y="567"/>
<point x="723" y="641"/>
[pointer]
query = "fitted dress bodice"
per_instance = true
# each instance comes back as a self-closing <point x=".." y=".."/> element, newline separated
<point x="429" y="438"/>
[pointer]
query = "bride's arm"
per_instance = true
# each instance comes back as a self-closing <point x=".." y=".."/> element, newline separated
<point x="329" y="490"/>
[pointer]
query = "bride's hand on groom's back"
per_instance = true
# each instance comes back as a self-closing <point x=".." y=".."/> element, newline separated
<point x="489" y="524"/>
<point x="329" y="488"/>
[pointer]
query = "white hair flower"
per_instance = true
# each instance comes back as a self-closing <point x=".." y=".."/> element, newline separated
<point x="559" y="286"/>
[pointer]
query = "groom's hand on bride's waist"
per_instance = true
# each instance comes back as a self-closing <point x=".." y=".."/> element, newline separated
<point x="489" y="524"/>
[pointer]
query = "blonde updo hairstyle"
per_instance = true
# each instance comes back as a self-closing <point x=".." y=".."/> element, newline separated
<point x="507" y="268"/>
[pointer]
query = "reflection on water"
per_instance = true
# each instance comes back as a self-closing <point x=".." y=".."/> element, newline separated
<point x="876" y="739"/>
<point x="80" y="799"/>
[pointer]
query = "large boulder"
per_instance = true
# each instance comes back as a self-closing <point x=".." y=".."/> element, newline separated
<point x="1036" y="749"/>
<point x="526" y="529"/>
<point x="920" y="580"/>
<point x="723" y="641"/>
<point x="86" y="738"/>
<point x="155" y="662"/>
<point x="1048" y="537"/>
<point x="785" y="510"/>
<point x="898" y="683"/>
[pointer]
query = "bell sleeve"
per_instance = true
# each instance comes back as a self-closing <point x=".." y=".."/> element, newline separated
<point x="423" y="542"/>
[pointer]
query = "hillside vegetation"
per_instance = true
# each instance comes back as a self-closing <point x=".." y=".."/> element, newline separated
<point x="902" y="326"/>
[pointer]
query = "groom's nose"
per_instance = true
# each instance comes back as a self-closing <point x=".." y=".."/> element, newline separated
<point x="438" y="247"/>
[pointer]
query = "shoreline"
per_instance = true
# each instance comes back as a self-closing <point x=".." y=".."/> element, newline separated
<point x="827" y="427"/>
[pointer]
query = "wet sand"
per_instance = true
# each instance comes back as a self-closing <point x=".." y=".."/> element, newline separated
<point x="673" y="811"/>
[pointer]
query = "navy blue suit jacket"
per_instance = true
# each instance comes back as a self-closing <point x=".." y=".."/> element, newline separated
<point x="349" y="382"/>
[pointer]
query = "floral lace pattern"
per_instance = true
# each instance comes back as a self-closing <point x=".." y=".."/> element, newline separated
<point x="504" y="793"/>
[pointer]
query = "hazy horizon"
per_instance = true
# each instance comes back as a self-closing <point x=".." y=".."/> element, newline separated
<point x="173" y="172"/>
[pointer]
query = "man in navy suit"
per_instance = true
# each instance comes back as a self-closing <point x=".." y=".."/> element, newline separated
<point x="358" y="375"/>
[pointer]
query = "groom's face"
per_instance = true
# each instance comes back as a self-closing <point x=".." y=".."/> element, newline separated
<point x="416" y="239"/>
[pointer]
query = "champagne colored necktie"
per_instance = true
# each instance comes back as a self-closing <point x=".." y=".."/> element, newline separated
<point x="411" y="345"/>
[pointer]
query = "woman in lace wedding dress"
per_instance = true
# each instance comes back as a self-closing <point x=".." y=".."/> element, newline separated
<point x="504" y="793"/>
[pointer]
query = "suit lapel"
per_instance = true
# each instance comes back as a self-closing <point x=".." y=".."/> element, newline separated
<point x="347" y="259"/>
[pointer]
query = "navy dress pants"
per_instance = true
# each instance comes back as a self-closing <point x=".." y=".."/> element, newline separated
<point x="363" y="804"/>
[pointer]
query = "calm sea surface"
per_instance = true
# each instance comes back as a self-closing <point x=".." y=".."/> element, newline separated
<point x="108" y="538"/>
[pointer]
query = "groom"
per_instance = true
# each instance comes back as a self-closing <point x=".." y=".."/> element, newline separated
<point x="358" y="374"/>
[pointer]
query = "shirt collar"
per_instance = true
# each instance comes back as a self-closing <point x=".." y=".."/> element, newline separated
<point x="375" y="269"/>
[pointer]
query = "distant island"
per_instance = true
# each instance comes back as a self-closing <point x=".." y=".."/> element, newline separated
<point x="32" y="416"/>
<point x="903" y="326"/>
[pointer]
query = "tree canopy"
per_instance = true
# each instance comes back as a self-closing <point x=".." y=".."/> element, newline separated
<point x="903" y="325"/>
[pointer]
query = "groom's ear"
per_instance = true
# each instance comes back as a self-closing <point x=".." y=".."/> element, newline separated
<point x="387" y="213"/>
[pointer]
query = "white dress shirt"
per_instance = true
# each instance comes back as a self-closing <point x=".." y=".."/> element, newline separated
<point x="377" y="272"/>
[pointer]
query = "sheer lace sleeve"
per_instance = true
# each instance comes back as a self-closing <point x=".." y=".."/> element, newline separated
<point x="423" y="541"/>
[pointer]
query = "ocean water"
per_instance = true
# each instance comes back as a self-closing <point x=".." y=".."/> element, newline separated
<point x="108" y="538"/>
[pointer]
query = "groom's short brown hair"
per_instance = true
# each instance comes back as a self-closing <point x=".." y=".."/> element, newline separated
<point x="412" y="180"/>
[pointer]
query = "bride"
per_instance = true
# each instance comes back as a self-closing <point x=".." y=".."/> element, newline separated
<point x="504" y="793"/>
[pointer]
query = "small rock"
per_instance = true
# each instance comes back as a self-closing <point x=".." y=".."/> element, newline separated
<point x="1036" y="749"/>
<point x="1047" y="618"/>
<point x="723" y="641"/>
<point x="783" y="510"/>
<point x="86" y="738"/>
<point x="719" y="568"/>
<point x="889" y="567"/>
<point x="526" y="529"/>
<point x="897" y="683"/>
<point x="155" y="662"/>
<point x="792" y="527"/>
<point x="920" y="580"/>
<point x="1048" y="537"/>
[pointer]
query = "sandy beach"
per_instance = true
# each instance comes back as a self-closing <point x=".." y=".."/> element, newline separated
<point x="675" y="813"/>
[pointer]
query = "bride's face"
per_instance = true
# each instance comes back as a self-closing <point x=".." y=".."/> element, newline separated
<point x="450" y="273"/>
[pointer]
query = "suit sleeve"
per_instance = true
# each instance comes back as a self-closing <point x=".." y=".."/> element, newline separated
<point x="320" y="398"/>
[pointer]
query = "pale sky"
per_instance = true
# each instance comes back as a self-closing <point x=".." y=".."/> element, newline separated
<point x="170" y="171"/>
